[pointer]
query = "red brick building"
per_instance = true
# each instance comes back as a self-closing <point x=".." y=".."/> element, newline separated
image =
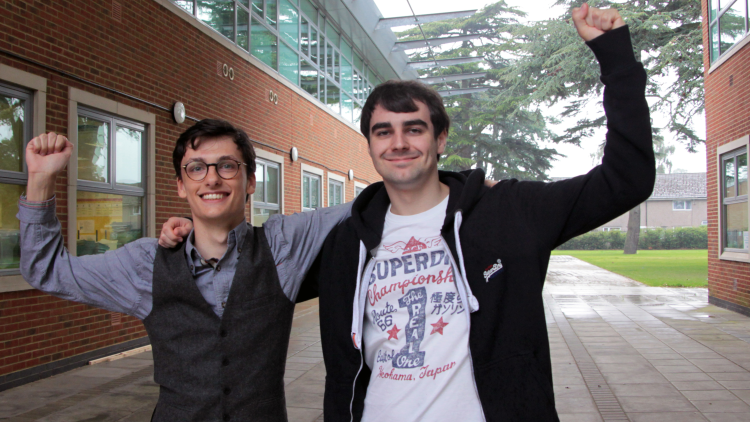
<point x="727" y="85"/>
<point x="293" y="73"/>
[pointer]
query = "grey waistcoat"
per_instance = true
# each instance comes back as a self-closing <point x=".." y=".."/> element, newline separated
<point x="220" y="369"/>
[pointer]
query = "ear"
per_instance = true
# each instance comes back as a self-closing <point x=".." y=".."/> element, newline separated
<point x="181" y="189"/>
<point x="251" y="184"/>
<point x="441" y="140"/>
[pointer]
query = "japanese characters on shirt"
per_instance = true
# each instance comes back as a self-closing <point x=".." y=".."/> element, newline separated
<point x="416" y="329"/>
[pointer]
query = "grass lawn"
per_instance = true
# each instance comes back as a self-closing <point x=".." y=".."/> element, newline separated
<point x="668" y="268"/>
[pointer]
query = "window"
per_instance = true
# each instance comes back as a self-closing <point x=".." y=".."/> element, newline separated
<point x="267" y="197"/>
<point x="111" y="182"/>
<point x="682" y="205"/>
<point x="611" y="229"/>
<point x="335" y="192"/>
<point x="16" y="108"/>
<point x="704" y="223"/>
<point x="296" y="39"/>
<point x="728" y="25"/>
<point x="310" y="191"/>
<point x="734" y="200"/>
<point x="357" y="191"/>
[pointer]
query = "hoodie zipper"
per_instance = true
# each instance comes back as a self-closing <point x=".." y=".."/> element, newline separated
<point x="358" y="317"/>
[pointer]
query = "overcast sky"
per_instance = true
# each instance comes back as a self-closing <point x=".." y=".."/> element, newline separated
<point x="577" y="160"/>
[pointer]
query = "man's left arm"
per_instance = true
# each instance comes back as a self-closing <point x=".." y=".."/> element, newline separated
<point x="296" y="240"/>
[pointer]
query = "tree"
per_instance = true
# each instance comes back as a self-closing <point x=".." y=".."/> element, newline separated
<point x="496" y="130"/>
<point x="667" y="38"/>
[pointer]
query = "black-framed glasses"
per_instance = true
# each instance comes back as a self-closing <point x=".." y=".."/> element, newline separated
<point x="226" y="169"/>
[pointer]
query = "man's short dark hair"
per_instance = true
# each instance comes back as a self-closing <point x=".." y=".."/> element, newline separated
<point x="398" y="97"/>
<point x="211" y="129"/>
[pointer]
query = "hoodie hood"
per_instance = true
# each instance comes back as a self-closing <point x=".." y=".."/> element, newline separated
<point x="370" y="207"/>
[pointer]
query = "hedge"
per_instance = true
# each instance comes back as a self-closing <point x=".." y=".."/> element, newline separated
<point x="678" y="238"/>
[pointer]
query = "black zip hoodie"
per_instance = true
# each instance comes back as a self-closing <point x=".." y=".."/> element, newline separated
<point x="517" y="223"/>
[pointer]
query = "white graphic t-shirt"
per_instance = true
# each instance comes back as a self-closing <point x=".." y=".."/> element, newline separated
<point x="416" y="332"/>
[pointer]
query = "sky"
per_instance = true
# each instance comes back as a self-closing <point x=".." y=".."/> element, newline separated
<point x="577" y="160"/>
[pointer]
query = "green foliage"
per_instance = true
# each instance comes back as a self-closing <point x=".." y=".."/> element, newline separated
<point x="679" y="238"/>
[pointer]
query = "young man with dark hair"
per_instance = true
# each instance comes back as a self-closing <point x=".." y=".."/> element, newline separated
<point x="431" y="292"/>
<point x="218" y="309"/>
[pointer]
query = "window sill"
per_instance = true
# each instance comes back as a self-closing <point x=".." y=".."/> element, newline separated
<point x="732" y="51"/>
<point x="13" y="283"/>
<point x="735" y="256"/>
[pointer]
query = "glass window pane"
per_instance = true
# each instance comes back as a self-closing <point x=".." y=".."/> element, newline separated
<point x="93" y="151"/>
<point x="358" y="63"/>
<point x="260" y="215"/>
<point x="245" y="3"/>
<point x="346" y="49"/>
<point x="308" y="76"/>
<point x="729" y="178"/>
<point x="332" y="34"/>
<point x="271" y="12"/>
<point x="337" y="65"/>
<point x="333" y="99"/>
<point x="714" y="41"/>
<point x="288" y="63"/>
<point x="185" y="4"/>
<point x="304" y="37"/>
<point x="357" y="191"/>
<point x="305" y="191"/>
<point x="735" y="232"/>
<point x="258" y="7"/>
<point x="314" y="50"/>
<point x="106" y="222"/>
<point x="356" y="112"/>
<point x="732" y="24"/>
<point x="289" y="23"/>
<point x="346" y="107"/>
<point x="219" y="15"/>
<point x="329" y="59"/>
<point x="128" y="156"/>
<point x="263" y="44"/>
<point x="346" y="76"/>
<point x="260" y="183"/>
<point x="243" y="27"/>
<point x="12" y="122"/>
<point x="272" y="189"/>
<point x="309" y="9"/>
<point x="10" y="251"/>
<point x="742" y="174"/>
<point x="713" y="9"/>
<point x="314" y="192"/>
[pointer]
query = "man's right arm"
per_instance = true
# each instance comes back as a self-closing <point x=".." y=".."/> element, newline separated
<point x="117" y="280"/>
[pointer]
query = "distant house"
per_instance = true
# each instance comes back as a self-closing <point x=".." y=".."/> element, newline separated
<point x="678" y="200"/>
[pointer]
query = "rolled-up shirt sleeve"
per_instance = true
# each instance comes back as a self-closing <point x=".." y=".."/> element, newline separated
<point x="296" y="239"/>
<point x="118" y="280"/>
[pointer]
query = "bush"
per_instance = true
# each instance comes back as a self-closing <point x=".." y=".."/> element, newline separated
<point x="679" y="238"/>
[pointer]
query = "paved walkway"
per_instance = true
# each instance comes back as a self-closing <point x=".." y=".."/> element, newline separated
<point x="620" y="351"/>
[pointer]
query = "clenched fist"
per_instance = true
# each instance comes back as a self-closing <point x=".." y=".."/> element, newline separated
<point x="46" y="155"/>
<point x="591" y="22"/>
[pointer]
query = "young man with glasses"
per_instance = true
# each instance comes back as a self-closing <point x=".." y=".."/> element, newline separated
<point x="218" y="309"/>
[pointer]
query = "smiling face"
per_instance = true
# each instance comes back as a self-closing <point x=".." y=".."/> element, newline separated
<point x="403" y="147"/>
<point x="213" y="200"/>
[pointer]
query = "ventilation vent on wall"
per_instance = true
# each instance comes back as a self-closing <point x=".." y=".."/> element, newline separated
<point x="117" y="11"/>
<point x="116" y="318"/>
<point x="220" y="68"/>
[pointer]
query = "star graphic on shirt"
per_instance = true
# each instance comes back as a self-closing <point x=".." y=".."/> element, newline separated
<point x="438" y="326"/>
<point x="393" y="332"/>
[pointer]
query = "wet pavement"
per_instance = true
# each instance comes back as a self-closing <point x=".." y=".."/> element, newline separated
<point x="620" y="351"/>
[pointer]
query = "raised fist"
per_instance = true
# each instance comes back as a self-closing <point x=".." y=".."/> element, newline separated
<point x="48" y="154"/>
<point x="591" y="22"/>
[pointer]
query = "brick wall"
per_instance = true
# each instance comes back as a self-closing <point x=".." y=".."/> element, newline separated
<point x="152" y="54"/>
<point x="727" y="100"/>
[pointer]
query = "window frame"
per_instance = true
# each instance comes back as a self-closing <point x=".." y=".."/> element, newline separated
<point x="36" y="88"/>
<point x="358" y="186"/>
<point x="715" y="62"/>
<point x="310" y="171"/>
<point x="687" y="205"/>
<point x="274" y="160"/>
<point x="80" y="99"/>
<point x="733" y="148"/>
<point x="336" y="180"/>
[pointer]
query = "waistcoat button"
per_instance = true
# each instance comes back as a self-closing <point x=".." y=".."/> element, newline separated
<point x="223" y="333"/>
<point x="225" y="362"/>
<point x="226" y="417"/>
<point x="227" y="390"/>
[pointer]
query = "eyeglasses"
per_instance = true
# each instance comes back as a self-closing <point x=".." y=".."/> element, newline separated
<point x="226" y="169"/>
